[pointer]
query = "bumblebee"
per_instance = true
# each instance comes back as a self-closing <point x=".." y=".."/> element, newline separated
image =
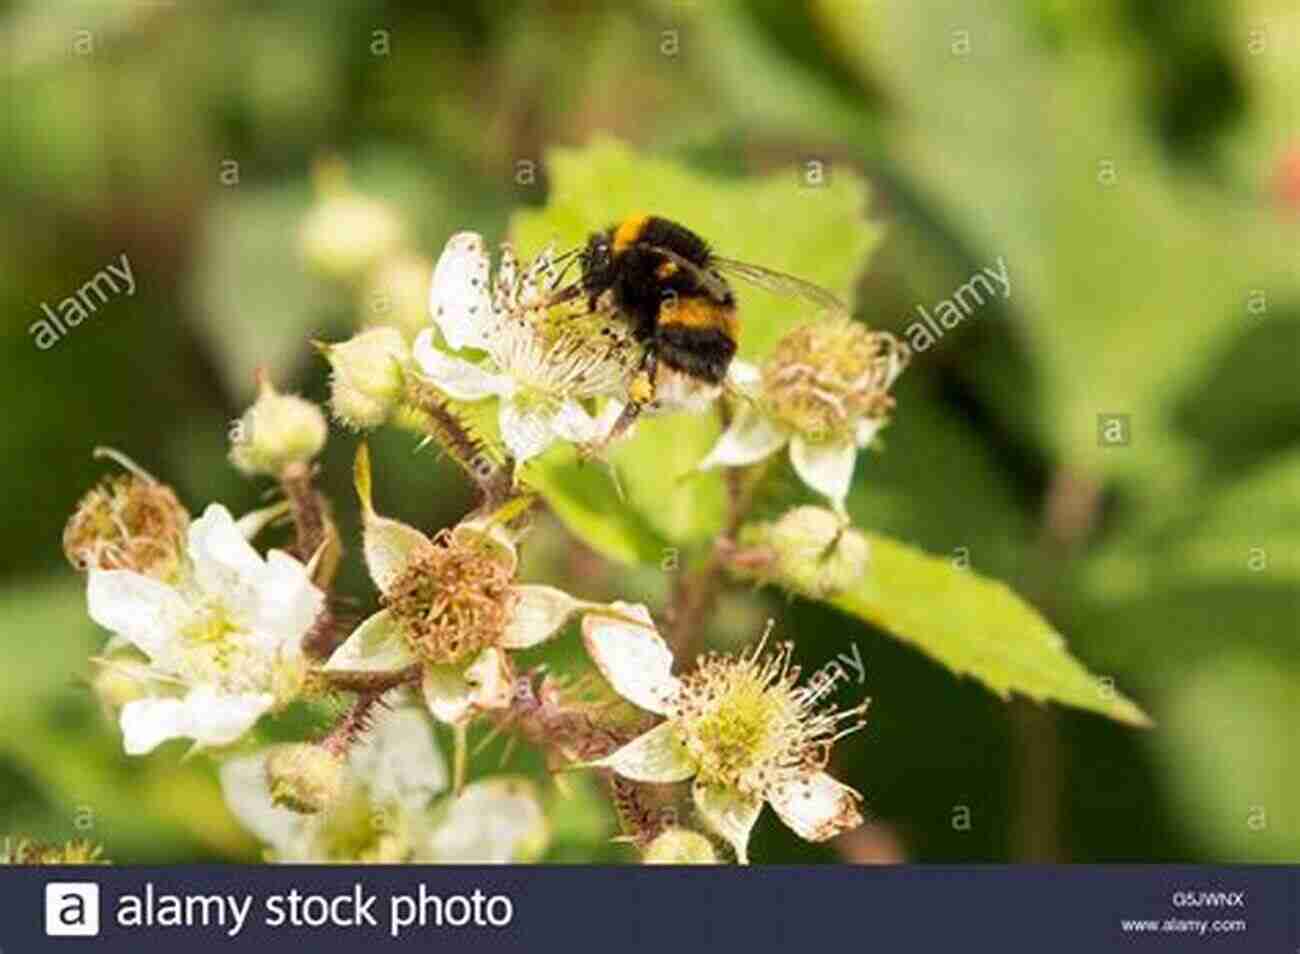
<point x="667" y="283"/>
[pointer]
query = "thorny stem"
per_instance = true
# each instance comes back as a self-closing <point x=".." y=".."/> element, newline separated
<point x="313" y="526"/>
<point x="353" y="724"/>
<point x="431" y="411"/>
<point x="372" y="682"/>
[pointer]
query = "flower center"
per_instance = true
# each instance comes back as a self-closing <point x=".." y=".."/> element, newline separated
<point x="454" y="598"/>
<point x="748" y="725"/>
<point x="824" y="377"/>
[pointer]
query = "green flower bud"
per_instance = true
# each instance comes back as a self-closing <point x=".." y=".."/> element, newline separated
<point x="304" y="778"/>
<point x="345" y="235"/>
<point x="368" y="382"/>
<point x="680" y="846"/>
<point x="276" y="431"/>
<point x="810" y="550"/>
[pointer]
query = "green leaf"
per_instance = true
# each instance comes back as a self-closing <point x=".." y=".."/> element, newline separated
<point x="823" y="237"/>
<point x="977" y="627"/>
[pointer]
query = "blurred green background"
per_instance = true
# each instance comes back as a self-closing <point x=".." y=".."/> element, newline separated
<point x="1135" y="162"/>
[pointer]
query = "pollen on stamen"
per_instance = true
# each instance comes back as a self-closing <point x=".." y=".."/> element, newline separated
<point x="749" y="725"/>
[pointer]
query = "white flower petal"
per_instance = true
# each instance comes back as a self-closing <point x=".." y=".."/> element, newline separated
<point x="730" y="814"/>
<point x="387" y="544"/>
<point x="207" y="716"/>
<point x="225" y="563"/>
<point x="526" y="431"/>
<point x="494" y="821"/>
<point x="447" y="693"/>
<point x="751" y="437"/>
<point x="744" y="375"/>
<point x="459" y="378"/>
<point x="247" y="795"/>
<point x="540" y="612"/>
<point x="572" y="423"/>
<point x="656" y="756"/>
<point x="490" y="680"/>
<point x="816" y="808"/>
<point x="376" y="645"/>
<point x="867" y="429"/>
<point x="255" y="521"/>
<point x="608" y="417"/>
<point x="137" y="608"/>
<point x="288" y="603"/>
<point x="399" y="759"/>
<point x="634" y="659"/>
<point x="826" y="467"/>
<point x="459" y="300"/>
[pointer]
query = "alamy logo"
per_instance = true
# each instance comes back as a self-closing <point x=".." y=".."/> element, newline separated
<point x="71" y="909"/>
<point x="114" y="280"/>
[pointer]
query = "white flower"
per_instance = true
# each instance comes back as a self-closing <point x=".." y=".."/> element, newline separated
<point x="385" y="809"/>
<point x="541" y="373"/>
<point x="740" y="727"/>
<point x="450" y="605"/>
<point x="225" y="638"/>
<point x="825" y="393"/>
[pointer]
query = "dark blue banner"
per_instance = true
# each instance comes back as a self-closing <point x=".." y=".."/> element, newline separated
<point x="1085" y="909"/>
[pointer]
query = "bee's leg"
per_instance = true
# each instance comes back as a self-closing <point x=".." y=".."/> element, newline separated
<point x="640" y="392"/>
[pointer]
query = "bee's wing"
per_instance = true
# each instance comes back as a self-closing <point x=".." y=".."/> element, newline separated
<point x="780" y="283"/>
<point x="706" y="278"/>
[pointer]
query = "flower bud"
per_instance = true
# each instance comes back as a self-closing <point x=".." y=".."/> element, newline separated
<point x="276" y="431"/>
<point x="680" y="846"/>
<point x="397" y="294"/>
<point x="128" y="522"/>
<point x="346" y="234"/>
<point x="304" y="778"/>
<point x="810" y="550"/>
<point x="825" y="377"/>
<point x="367" y="383"/>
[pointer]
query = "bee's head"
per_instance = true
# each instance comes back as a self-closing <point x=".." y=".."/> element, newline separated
<point x="598" y="261"/>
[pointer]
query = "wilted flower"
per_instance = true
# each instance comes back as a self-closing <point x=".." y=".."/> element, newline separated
<point x="223" y="641"/>
<point x="741" y="727"/>
<point x="383" y="810"/>
<point x="541" y="371"/>
<point x="451" y="606"/>
<point x="825" y="392"/>
<point x="277" y="430"/>
<point x="128" y="522"/>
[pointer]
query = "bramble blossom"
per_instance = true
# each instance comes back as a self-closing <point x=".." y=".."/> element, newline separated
<point x="824" y="391"/>
<point x="383" y="808"/>
<point x="543" y="374"/>
<point x="741" y="727"/>
<point x="221" y="643"/>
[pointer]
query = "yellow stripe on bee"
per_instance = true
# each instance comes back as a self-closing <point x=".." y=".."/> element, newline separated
<point x="699" y="313"/>
<point x="629" y="231"/>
